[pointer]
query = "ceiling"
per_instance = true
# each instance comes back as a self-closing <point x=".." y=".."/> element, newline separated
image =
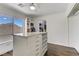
<point x="44" y="9"/>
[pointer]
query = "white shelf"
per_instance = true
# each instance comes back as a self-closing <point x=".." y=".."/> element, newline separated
<point x="5" y="38"/>
<point x="6" y="46"/>
<point x="6" y="42"/>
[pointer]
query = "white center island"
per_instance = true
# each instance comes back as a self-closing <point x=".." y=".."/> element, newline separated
<point x="34" y="44"/>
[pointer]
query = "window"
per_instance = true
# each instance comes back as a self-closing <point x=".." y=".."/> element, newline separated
<point x="18" y="26"/>
<point x="5" y="25"/>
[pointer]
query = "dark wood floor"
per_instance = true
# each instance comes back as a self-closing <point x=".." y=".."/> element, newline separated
<point x="54" y="50"/>
<point x="10" y="53"/>
<point x="58" y="50"/>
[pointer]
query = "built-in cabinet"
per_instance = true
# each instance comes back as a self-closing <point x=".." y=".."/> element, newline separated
<point x="6" y="43"/>
<point x="34" y="44"/>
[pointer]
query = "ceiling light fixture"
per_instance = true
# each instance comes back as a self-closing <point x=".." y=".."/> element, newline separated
<point x="32" y="7"/>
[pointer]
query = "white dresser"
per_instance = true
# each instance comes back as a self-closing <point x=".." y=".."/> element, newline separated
<point x="34" y="44"/>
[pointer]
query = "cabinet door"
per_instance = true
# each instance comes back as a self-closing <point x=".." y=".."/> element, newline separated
<point x="20" y="45"/>
<point x="38" y="44"/>
<point x="31" y="45"/>
<point x="35" y="45"/>
<point x="44" y="43"/>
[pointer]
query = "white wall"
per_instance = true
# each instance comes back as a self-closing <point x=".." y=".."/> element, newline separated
<point x="57" y="28"/>
<point x="74" y="31"/>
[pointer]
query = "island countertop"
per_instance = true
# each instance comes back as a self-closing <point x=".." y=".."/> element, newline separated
<point x="30" y="34"/>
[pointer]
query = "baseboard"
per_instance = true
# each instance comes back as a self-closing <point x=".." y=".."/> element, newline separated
<point x="76" y="51"/>
<point x="61" y="45"/>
